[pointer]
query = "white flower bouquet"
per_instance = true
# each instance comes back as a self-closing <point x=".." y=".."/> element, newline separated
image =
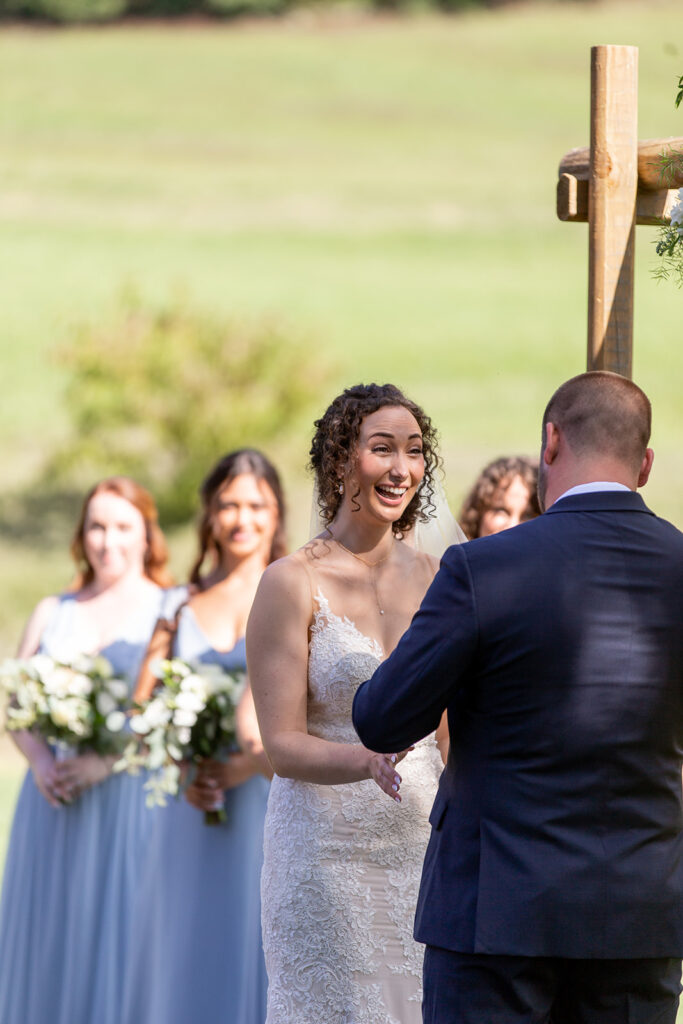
<point x="191" y="716"/>
<point x="670" y="244"/>
<point x="77" y="704"/>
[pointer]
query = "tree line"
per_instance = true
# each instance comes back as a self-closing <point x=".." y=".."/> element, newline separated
<point x="84" y="11"/>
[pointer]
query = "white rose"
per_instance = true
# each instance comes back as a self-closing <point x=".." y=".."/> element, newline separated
<point x="156" y="713"/>
<point x="213" y="677"/>
<point x="184" y="718"/>
<point x="61" y="713"/>
<point x="677" y="209"/>
<point x="184" y="735"/>
<point x="82" y="663"/>
<point x="28" y="694"/>
<point x="210" y="669"/>
<point x="118" y="688"/>
<point x="189" y="702"/>
<point x="80" y="685"/>
<point x="79" y="727"/>
<point x="20" y="718"/>
<point x="39" y="665"/>
<point x="105" y="703"/>
<point x="73" y="713"/>
<point x="197" y="685"/>
<point x="115" y="721"/>
<point x="10" y="670"/>
<point x="179" y="668"/>
<point x="139" y="725"/>
<point x="103" y="667"/>
<point x="57" y="681"/>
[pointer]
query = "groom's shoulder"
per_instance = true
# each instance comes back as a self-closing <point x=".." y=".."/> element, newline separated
<point x="669" y="530"/>
<point x="538" y="537"/>
<point x="521" y="537"/>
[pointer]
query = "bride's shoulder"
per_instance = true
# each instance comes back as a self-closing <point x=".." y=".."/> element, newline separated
<point x="285" y="577"/>
<point x="420" y="561"/>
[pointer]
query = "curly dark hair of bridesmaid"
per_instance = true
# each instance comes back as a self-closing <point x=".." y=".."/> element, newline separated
<point x="244" y="461"/>
<point x="496" y="476"/>
<point x="156" y="555"/>
<point x="334" y="444"/>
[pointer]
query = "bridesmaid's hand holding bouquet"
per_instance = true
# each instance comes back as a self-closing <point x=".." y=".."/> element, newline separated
<point x="190" y="719"/>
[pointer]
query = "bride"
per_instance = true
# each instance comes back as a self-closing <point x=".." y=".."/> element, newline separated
<point x="342" y="860"/>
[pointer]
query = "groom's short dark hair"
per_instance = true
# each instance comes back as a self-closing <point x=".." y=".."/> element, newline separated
<point x="602" y="413"/>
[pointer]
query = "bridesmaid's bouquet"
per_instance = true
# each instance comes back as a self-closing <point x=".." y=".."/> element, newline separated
<point x="78" y="704"/>
<point x="189" y="717"/>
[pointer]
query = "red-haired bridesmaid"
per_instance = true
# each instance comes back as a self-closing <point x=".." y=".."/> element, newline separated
<point x="78" y="830"/>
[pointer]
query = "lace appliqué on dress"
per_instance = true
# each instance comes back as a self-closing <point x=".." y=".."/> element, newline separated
<point x="342" y="864"/>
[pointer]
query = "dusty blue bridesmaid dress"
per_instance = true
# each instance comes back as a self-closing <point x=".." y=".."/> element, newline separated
<point x="196" y="954"/>
<point x="67" y="894"/>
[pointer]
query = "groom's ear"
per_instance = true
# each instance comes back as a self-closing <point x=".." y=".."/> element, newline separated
<point x="645" y="467"/>
<point x="552" y="444"/>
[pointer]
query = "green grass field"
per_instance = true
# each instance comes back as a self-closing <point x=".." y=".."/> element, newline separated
<point x="386" y="186"/>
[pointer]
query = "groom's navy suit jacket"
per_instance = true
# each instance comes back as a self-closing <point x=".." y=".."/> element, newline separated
<point x="557" y="648"/>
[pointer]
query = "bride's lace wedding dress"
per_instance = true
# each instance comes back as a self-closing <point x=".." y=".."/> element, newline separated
<point x="342" y="864"/>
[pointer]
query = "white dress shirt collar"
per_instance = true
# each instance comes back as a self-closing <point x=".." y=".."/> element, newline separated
<point x="595" y="485"/>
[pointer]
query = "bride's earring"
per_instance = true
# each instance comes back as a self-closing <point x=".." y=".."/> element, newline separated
<point x="341" y="487"/>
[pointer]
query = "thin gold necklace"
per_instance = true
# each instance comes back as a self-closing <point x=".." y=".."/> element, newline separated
<point x="368" y="565"/>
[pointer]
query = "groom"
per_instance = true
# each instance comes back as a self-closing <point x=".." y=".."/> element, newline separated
<point x="553" y="879"/>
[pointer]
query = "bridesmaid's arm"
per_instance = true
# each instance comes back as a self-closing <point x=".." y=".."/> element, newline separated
<point x="34" y="748"/>
<point x="277" y="657"/>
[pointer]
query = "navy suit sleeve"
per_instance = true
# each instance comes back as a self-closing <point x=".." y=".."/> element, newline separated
<point x="404" y="700"/>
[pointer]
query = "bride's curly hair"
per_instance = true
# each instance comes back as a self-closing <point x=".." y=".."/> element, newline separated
<point x="335" y="440"/>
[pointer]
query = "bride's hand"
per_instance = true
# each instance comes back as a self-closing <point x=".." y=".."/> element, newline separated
<point x="383" y="771"/>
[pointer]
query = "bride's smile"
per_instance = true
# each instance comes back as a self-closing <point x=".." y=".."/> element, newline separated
<point x="389" y="464"/>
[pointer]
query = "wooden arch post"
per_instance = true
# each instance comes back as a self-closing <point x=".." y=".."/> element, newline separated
<point x="612" y="188"/>
<point x="614" y="185"/>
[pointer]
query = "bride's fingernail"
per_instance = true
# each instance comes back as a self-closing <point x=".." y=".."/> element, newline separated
<point x="393" y="758"/>
<point x="395" y="788"/>
<point x="397" y="778"/>
<point x="397" y="799"/>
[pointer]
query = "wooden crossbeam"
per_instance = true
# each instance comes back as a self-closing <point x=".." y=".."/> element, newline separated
<point x="652" y="207"/>
<point x="656" y="193"/>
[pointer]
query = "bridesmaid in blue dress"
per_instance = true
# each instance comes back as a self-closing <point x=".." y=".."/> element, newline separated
<point x="197" y="952"/>
<point x="66" y="900"/>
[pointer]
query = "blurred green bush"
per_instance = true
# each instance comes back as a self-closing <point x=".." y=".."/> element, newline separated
<point x="81" y="11"/>
<point x="64" y="11"/>
<point x="159" y="394"/>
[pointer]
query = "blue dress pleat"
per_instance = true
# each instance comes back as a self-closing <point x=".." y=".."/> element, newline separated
<point x="196" y="952"/>
<point x="66" y="909"/>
